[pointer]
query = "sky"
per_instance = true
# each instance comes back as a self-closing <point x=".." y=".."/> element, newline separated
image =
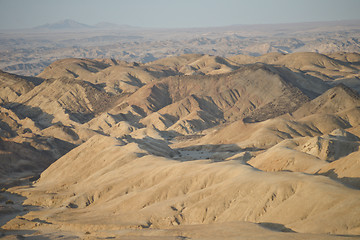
<point x="18" y="14"/>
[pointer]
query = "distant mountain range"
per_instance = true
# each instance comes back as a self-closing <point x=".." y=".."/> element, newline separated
<point x="69" y="24"/>
<point x="64" y="24"/>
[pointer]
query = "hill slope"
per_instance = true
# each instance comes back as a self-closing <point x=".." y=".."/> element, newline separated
<point x="179" y="147"/>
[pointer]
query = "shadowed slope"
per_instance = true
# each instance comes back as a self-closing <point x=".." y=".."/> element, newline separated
<point x="187" y="104"/>
<point x="211" y="192"/>
<point x="12" y="86"/>
<point x="63" y="100"/>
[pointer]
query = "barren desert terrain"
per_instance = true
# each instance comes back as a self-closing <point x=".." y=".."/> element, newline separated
<point x="194" y="146"/>
<point x="29" y="51"/>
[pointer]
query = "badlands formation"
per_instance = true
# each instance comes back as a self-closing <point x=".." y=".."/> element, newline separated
<point x="29" y="51"/>
<point x="188" y="147"/>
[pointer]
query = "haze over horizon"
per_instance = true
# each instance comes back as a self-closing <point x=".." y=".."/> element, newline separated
<point x="18" y="14"/>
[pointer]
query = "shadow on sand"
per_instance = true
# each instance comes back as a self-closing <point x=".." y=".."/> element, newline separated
<point x="11" y="207"/>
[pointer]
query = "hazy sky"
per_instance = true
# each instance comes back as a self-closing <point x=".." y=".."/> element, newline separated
<point x="174" y="13"/>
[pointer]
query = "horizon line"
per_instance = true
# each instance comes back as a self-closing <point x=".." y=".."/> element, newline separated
<point x="115" y="25"/>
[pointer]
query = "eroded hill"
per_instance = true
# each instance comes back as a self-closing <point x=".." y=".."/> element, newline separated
<point x="183" y="144"/>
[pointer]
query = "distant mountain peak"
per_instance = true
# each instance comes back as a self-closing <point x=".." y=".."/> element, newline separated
<point x="67" y="24"/>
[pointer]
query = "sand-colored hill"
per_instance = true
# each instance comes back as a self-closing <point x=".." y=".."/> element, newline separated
<point x="304" y="143"/>
<point x="128" y="77"/>
<point x="73" y="68"/>
<point x="12" y="86"/>
<point x="65" y="100"/>
<point x="113" y="76"/>
<point x="120" y="76"/>
<point x="177" y="62"/>
<point x="312" y="62"/>
<point x="187" y="104"/>
<point x="189" y="147"/>
<point x="327" y="67"/>
<point x="345" y="169"/>
<point x="25" y="149"/>
<point x="158" y="192"/>
<point x="337" y="99"/>
<point x="268" y="58"/>
<point x="350" y="57"/>
<point x="306" y="154"/>
<point x="305" y="61"/>
<point x="195" y="64"/>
